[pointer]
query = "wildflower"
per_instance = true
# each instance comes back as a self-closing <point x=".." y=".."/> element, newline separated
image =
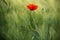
<point x="32" y="7"/>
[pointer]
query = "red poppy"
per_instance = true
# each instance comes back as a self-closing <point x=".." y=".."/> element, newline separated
<point x="32" y="7"/>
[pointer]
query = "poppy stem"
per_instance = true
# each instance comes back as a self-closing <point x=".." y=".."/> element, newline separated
<point x="32" y="21"/>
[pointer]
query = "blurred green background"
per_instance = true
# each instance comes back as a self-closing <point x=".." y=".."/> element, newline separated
<point x="19" y="23"/>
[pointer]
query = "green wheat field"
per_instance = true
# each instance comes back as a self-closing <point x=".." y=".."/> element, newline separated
<point x="17" y="22"/>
